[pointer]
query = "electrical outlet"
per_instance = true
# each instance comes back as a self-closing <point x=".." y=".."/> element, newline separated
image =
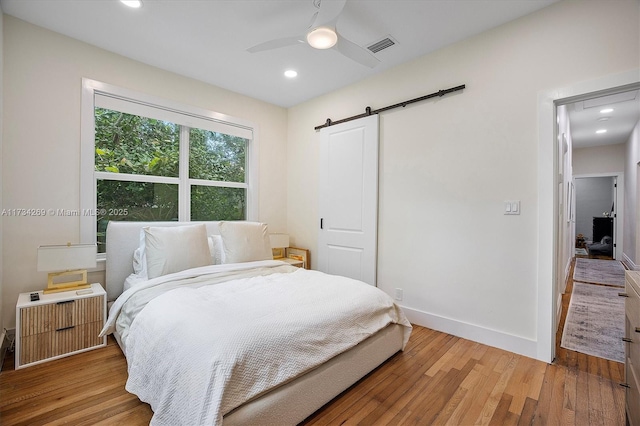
<point x="398" y="294"/>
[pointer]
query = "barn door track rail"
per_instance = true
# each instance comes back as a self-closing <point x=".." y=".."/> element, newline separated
<point x="369" y="111"/>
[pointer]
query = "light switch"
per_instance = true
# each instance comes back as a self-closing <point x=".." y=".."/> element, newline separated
<point x="512" y="207"/>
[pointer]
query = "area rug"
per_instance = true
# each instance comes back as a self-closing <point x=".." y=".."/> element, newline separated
<point x="599" y="271"/>
<point x="595" y="322"/>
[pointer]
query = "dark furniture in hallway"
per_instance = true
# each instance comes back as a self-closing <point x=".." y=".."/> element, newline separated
<point x="602" y="226"/>
<point x="602" y="245"/>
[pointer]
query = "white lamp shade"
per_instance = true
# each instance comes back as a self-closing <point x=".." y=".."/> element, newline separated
<point x="66" y="258"/>
<point x="279" y="240"/>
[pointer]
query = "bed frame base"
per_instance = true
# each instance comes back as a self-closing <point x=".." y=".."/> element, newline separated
<point x="292" y="403"/>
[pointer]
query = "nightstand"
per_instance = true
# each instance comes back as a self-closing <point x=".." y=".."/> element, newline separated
<point x="293" y="262"/>
<point x="59" y="324"/>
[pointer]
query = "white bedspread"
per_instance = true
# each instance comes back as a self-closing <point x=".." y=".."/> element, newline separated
<point x="130" y="303"/>
<point x="195" y="354"/>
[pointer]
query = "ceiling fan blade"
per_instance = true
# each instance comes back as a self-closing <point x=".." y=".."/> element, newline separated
<point x="328" y="13"/>
<point x="312" y="20"/>
<point x="276" y="44"/>
<point x="355" y="52"/>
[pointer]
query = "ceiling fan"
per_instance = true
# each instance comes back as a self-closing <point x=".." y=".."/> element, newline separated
<point x="322" y="34"/>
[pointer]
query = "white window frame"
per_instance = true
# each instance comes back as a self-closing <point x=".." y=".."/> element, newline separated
<point x="189" y="116"/>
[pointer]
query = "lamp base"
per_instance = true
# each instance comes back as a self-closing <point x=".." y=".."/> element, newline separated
<point x="64" y="285"/>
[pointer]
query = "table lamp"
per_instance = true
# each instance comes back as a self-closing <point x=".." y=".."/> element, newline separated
<point x="67" y="265"/>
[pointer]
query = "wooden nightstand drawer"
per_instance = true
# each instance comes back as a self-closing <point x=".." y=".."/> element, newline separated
<point x="58" y="325"/>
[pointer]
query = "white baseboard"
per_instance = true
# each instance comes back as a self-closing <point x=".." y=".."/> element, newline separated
<point x="7" y="338"/>
<point x="558" y="310"/>
<point x="476" y="333"/>
<point x="567" y="270"/>
<point x="561" y="291"/>
<point x="4" y="344"/>
<point x="630" y="264"/>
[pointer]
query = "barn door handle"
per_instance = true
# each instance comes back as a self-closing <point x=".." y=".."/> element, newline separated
<point x="623" y="295"/>
<point x="321" y="223"/>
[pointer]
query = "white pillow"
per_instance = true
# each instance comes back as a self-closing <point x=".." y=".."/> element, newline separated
<point x="140" y="262"/>
<point x="140" y="258"/>
<point x="245" y="241"/>
<point x="217" y="249"/>
<point x="140" y="255"/>
<point x="174" y="249"/>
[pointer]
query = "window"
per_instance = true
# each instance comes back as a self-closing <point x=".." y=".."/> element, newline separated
<point x="147" y="159"/>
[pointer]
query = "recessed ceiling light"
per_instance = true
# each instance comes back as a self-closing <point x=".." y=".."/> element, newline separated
<point x="132" y="3"/>
<point x="601" y="131"/>
<point x="290" y="73"/>
<point x="604" y="118"/>
<point x="606" y="110"/>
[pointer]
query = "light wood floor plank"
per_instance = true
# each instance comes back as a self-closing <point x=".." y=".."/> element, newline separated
<point x="472" y="385"/>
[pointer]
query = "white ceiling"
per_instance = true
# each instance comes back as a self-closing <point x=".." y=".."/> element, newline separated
<point x="585" y="118"/>
<point x="207" y="39"/>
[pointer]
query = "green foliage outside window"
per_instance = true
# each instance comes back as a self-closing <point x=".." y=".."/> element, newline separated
<point x="130" y="144"/>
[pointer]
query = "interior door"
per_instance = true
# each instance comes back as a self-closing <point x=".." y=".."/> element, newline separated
<point x="348" y="204"/>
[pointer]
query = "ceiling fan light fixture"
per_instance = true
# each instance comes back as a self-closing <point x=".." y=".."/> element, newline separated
<point x="132" y="3"/>
<point x="322" y="38"/>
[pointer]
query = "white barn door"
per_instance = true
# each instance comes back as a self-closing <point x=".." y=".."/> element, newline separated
<point x="348" y="204"/>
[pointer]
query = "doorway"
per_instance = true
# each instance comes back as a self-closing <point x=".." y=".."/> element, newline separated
<point x="595" y="216"/>
<point x="552" y="198"/>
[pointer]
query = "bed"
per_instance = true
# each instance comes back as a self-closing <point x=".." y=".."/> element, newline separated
<point x="602" y="248"/>
<point x="179" y="328"/>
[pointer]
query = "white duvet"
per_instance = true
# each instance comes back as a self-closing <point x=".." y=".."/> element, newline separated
<point x="196" y="351"/>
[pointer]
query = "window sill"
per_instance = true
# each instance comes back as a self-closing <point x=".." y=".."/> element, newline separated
<point x="100" y="265"/>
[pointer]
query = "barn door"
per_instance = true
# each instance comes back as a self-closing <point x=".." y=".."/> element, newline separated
<point x="348" y="203"/>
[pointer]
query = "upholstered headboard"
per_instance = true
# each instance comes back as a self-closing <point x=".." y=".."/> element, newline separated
<point x="123" y="238"/>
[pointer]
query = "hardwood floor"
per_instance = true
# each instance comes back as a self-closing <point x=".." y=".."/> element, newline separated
<point x="438" y="379"/>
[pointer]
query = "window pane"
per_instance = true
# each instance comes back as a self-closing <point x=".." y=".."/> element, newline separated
<point x="134" y="201"/>
<point x="217" y="203"/>
<point x="216" y="156"/>
<point x="126" y="143"/>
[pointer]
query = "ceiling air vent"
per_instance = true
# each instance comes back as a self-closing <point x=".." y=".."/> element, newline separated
<point x="382" y="44"/>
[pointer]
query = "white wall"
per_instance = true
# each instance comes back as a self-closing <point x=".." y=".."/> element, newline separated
<point x="40" y="168"/>
<point x="2" y="322"/>
<point x="631" y="247"/>
<point x="447" y="165"/>
<point x="599" y="159"/>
